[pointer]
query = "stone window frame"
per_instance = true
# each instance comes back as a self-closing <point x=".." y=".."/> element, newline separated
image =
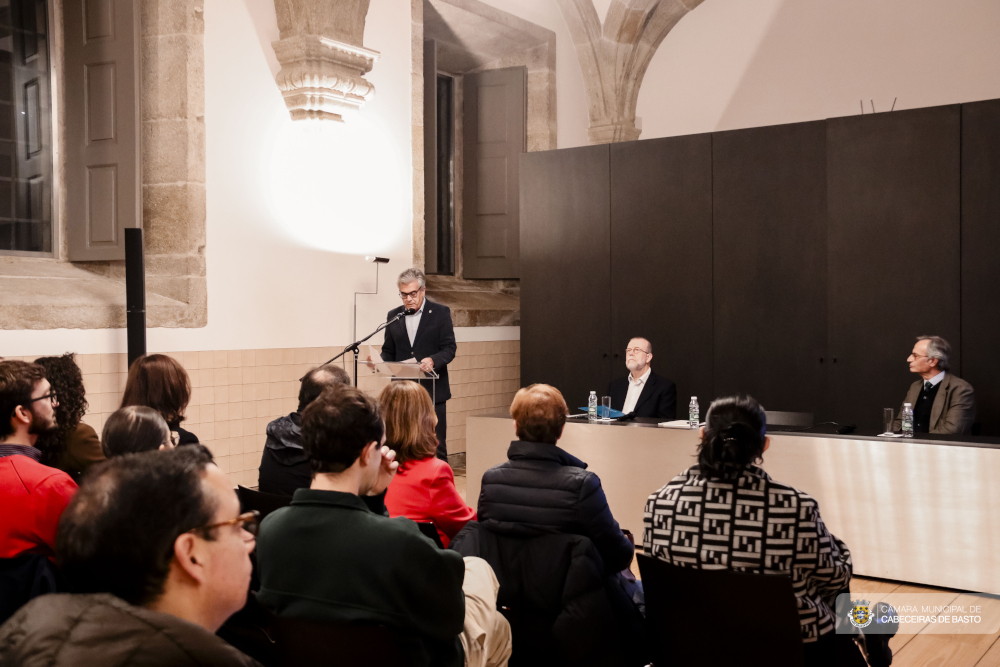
<point x="540" y="123"/>
<point x="49" y="292"/>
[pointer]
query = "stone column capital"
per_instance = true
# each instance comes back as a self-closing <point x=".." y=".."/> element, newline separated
<point x="322" y="75"/>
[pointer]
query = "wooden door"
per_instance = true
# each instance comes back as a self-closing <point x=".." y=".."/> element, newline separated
<point x="494" y="135"/>
<point x="103" y="159"/>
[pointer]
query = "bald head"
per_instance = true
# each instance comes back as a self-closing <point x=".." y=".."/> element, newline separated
<point x="317" y="380"/>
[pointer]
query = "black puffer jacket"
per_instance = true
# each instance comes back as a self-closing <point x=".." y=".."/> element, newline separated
<point x="284" y="466"/>
<point x="542" y="490"/>
<point x="553" y="592"/>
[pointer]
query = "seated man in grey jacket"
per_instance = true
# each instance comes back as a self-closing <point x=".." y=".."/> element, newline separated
<point x="158" y="554"/>
<point x="942" y="402"/>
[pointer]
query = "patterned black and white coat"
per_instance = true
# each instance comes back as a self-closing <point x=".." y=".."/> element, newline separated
<point x="751" y="524"/>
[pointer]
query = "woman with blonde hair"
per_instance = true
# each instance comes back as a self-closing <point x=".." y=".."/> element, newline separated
<point x="424" y="487"/>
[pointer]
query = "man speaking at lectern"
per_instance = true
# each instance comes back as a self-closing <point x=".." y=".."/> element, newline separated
<point x="642" y="391"/>
<point x="426" y="335"/>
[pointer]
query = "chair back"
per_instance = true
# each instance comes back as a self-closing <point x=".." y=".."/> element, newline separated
<point x="428" y="529"/>
<point x="553" y="592"/>
<point x="265" y="503"/>
<point x="22" y="579"/>
<point x="719" y="617"/>
<point x="317" y="643"/>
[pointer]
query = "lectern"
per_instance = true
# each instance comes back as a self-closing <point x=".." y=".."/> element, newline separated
<point x="397" y="370"/>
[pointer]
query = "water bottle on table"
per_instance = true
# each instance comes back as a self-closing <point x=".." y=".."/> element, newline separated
<point x="592" y="407"/>
<point x="694" y="413"/>
<point x="907" y="419"/>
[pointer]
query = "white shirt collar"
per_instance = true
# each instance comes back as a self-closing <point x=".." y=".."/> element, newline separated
<point x="936" y="380"/>
<point x="642" y="380"/>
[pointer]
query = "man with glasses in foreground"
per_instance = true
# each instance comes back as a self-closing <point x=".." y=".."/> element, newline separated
<point x="32" y="495"/>
<point x="425" y="335"/>
<point x="643" y="393"/>
<point x="158" y="556"/>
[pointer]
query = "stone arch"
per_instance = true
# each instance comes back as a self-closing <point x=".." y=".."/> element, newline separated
<point x="614" y="56"/>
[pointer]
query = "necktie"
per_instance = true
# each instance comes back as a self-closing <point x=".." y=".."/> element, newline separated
<point x="927" y="386"/>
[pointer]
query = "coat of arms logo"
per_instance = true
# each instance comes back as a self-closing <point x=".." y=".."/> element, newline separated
<point x="861" y="614"/>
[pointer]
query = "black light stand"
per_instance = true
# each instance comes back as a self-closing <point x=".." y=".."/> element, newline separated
<point x="135" y="294"/>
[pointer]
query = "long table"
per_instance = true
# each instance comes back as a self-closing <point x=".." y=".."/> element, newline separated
<point x="923" y="510"/>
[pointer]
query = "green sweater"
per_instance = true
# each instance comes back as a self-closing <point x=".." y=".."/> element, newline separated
<point x="328" y="557"/>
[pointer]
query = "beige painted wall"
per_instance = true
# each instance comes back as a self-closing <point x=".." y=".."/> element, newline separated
<point x="236" y="393"/>
<point x="266" y="288"/>
<point x="732" y="64"/>
<point x="746" y="63"/>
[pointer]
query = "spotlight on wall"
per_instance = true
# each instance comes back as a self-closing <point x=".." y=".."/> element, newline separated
<point x="336" y="187"/>
<point x="377" y="260"/>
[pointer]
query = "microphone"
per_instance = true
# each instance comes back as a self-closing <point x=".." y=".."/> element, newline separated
<point x="408" y="311"/>
<point x="846" y="428"/>
<point x="377" y="260"/>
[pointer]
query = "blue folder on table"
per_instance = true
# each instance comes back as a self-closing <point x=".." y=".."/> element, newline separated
<point x="602" y="412"/>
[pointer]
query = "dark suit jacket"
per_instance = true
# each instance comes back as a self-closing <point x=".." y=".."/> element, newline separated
<point x="658" y="398"/>
<point x="954" y="407"/>
<point x="435" y="339"/>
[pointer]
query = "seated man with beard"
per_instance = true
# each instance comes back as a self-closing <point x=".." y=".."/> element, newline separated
<point x="33" y="496"/>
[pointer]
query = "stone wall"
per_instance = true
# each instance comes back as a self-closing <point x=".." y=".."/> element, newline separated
<point x="237" y="392"/>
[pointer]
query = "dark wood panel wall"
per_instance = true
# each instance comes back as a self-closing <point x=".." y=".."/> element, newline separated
<point x="980" y="263"/>
<point x="796" y="263"/>
<point x="566" y="261"/>
<point x="769" y="203"/>
<point x="893" y="223"/>
<point x="661" y="257"/>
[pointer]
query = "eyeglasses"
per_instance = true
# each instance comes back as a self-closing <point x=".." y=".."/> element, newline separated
<point x="411" y="295"/>
<point x="51" y="396"/>
<point x="635" y="350"/>
<point x="250" y="521"/>
<point x="919" y="356"/>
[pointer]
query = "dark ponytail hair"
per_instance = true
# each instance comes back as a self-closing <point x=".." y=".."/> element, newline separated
<point x="735" y="428"/>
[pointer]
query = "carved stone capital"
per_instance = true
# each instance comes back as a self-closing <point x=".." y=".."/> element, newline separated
<point x="609" y="133"/>
<point x="322" y="78"/>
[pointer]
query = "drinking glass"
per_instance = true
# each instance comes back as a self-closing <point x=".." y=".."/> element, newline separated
<point x="606" y="412"/>
<point x="887" y="418"/>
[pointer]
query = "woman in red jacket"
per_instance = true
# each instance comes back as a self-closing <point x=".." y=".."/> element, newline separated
<point x="424" y="487"/>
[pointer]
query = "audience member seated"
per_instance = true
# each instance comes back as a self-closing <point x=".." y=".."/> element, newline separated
<point x="424" y="486"/>
<point x="334" y="555"/>
<point x="157" y="553"/>
<point x="135" y="429"/>
<point x="284" y="466"/>
<point x="32" y="495"/>
<point x="542" y="489"/>
<point x="73" y="446"/>
<point x="785" y="535"/>
<point x="160" y="382"/>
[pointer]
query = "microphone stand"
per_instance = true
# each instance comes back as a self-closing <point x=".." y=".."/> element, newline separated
<point x="355" y="346"/>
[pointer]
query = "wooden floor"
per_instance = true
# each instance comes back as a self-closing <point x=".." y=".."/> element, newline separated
<point x="913" y="649"/>
<point x="930" y="650"/>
